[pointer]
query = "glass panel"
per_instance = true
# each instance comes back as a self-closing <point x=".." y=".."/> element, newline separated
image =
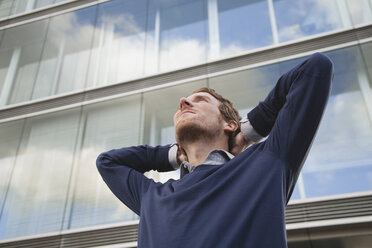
<point x="5" y="58"/>
<point x="176" y="35"/>
<point x="20" y="48"/>
<point x="340" y="160"/>
<point x="15" y="7"/>
<point x="300" y="18"/>
<point x="10" y="134"/>
<point x="4" y="63"/>
<point x="65" y="59"/>
<point x="246" y="88"/>
<point x="5" y="8"/>
<point x="43" y="3"/>
<point x="237" y="15"/>
<point x="295" y="194"/>
<point x="119" y="42"/>
<point x="38" y="188"/>
<point x="158" y="124"/>
<point x="109" y="125"/>
<point x="360" y="11"/>
<point x="367" y="55"/>
<point x="20" y="6"/>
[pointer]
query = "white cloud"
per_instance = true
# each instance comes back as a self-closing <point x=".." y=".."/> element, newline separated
<point x="350" y="141"/>
<point x="318" y="14"/>
<point x="179" y="52"/>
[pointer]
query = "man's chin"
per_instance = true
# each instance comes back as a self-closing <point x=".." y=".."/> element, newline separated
<point x="191" y="132"/>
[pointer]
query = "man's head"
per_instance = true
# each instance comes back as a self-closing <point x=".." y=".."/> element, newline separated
<point x="205" y="114"/>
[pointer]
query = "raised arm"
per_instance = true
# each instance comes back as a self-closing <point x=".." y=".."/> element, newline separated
<point x="122" y="170"/>
<point x="293" y="109"/>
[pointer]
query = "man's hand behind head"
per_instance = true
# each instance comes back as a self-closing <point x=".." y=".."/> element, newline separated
<point x="238" y="144"/>
<point x="181" y="155"/>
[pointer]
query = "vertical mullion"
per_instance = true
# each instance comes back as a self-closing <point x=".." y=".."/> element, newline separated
<point x="10" y="76"/>
<point x="301" y="186"/>
<point x="58" y="67"/>
<point x="71" y="191"/>
<point x="365" y="90"/>
<point x="274" y="27"/>
<point x="21" y="137"/>
<point x="30" y="5"/>
<point x="213" y="28"/>
<point x="344" y="13"/>
<point x="367" y="10"/>
<point x="157" y="40"/>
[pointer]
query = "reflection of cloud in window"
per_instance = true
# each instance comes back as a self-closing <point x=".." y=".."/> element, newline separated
<point x="36" y="195"/>
<point x="120" y="54"/>
<point x="360" y="11"/>
<point x="324" y="13"/>
<point x="69" y="28"/>
<point x="125" y="24"/>
<point x="93" y="193"/>
<point x="119" y="44"/>
<point x="324" y="16"/>
<point x="291" y="33"/>
<point x="49" y="190"/>
<point x="344" y="137"/>
<point x="181" y="52"/>
<point x="325" y="176"/>
<point x="233" y="49"/>
<point x="47" y="160"/>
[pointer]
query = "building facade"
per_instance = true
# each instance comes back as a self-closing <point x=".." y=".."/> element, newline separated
<point x="81" y="77"/>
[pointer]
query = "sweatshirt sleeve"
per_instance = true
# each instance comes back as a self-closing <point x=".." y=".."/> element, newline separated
<point x="293" y="109"/>
<point x="122" y="170"/>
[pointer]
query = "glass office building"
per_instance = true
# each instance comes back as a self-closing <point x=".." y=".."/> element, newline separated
<point x="81" y="77"/>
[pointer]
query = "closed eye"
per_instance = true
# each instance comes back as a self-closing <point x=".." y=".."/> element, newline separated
<point x="201" y="98"/>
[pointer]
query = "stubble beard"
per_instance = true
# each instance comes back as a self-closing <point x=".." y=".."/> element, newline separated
<point x="189" y="133"/>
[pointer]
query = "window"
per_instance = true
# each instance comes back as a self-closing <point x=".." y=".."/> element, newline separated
<point x="36" y="197"/>
<point x="341" y="151"/>
<point x="299" y="18"/>
<point x="119" y="42"/>
<point x="21" y="48"/>
<point x="65" y="58"/>
<point x="105" y="126"/>
<point x="10" y="135"/>
<point x="243" y="26"/>
<point x="360" y="11"/>
<point x="176" y="34"/>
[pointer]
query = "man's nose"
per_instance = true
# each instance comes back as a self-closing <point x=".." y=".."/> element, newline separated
<point x="184" y="102"/>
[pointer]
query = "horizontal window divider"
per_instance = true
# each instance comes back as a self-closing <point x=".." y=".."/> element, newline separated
<point x="340" y="197"/>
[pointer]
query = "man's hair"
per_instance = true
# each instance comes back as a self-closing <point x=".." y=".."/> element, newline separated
<point x="226" y="108"/>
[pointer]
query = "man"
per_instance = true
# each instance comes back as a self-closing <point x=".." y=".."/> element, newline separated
<point x="224" y="201"/>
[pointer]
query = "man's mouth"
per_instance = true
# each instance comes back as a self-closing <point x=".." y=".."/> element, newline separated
<point x="187" y="111"/>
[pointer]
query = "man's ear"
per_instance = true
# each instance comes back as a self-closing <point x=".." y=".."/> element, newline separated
<point x="231" y="126"/>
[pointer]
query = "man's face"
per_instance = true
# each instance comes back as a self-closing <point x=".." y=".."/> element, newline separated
<point x="197" y="114"/>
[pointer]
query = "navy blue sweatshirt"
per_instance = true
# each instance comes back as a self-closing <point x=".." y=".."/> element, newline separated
<point x="237" y="204"/>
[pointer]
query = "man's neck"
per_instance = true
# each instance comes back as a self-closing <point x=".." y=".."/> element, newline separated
<point x="198" y="150"/>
